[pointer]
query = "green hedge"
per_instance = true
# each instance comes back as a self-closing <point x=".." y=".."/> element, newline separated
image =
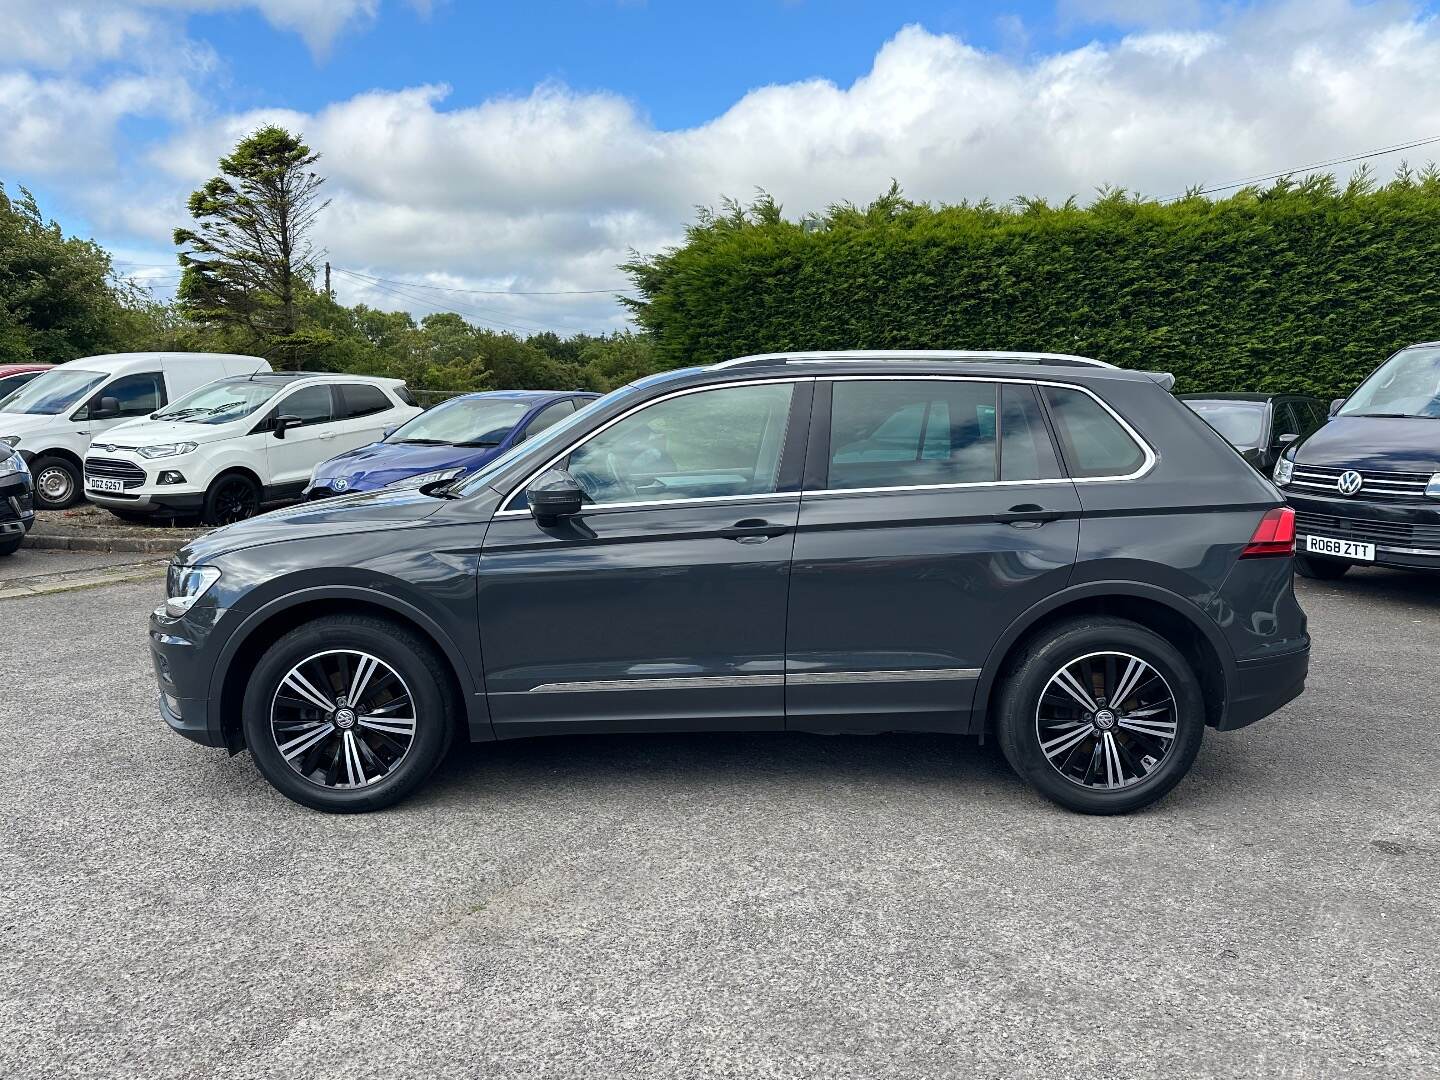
<point x="1300" y="287"/>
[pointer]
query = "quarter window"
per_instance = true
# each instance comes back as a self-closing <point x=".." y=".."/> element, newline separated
<point x="698" y="446"/>
<point x="909" y="433"/>
<point x="1093" y="441"/>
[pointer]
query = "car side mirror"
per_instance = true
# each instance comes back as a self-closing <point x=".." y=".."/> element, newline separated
<point x="285" y="423"/>
<point x="1286" y="440"/>
<point x="390" y="431"/>
<point x="107" y="408"/>
<point x="1335" y="406"/>
<point x="555" y="494"/>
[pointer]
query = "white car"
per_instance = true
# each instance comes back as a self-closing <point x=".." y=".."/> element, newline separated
<point x="229" y="447"/>
<point x="53" y="417"/>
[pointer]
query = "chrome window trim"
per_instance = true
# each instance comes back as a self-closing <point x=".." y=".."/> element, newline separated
<point x="1149" y="463"/>
<point x="508" y="511"/>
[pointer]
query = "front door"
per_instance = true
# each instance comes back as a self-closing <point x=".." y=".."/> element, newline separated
<point x="292" y="458"/>
<point x="934" y="514"/>
<point x="662" y="605"/>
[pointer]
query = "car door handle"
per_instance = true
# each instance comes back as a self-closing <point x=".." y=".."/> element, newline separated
<point x="1028" y="516"/>
<point x="753" y="531"/>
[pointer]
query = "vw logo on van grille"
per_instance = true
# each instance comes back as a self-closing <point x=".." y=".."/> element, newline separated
<point x="1350" y="482"/>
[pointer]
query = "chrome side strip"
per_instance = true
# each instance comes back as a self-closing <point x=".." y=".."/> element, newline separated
<point x="832" y="678"/>
<point x="683" y="682"/>
<point x="711" y="682"/>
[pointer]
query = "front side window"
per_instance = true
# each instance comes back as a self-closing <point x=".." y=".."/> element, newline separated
<point x="138" y="395"/>
<point x="310" y="403"/>
<point x="1093" y="441"/>
<point x="548" y="417"/>
<point x="53" y="392"/>
<point x="713" y="443"/>
<point x="907" y="433"/>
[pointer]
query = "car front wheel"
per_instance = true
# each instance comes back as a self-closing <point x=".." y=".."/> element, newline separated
<point x="348" y="713"/>
<point x="57" y="482"/>
<point x="1101" y="715"/>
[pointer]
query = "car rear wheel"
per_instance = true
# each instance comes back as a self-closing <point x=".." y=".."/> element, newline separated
<point x="57" y="482"/>
<point x="348" y="713"/>
<point x="1101" y="715"/>
<point x="231" y="498"/>
<point x="1320" y="569"/>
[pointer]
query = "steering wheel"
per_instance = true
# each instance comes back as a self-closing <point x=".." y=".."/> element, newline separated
<point x="616" y="478"/>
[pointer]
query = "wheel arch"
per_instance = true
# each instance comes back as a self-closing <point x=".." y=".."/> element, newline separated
<point x="78" y="460"/>
<point x="264" y="626"/>
<point x="232" y="470"/>
<point x="1173" y="617"/>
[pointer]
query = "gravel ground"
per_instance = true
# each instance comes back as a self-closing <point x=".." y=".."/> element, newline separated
<point x="698" y="906"/>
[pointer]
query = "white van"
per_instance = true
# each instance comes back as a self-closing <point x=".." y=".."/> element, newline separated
<point x="53" y="417"/>
<point x="240" y="442"/>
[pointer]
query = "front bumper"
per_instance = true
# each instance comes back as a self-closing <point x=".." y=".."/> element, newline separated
<point x="17" y="506"/>
<point x="143" y="493"/>
<point x="151" y="502"/>
<point x="1406" y="535"/>
<point x="183" y="678"/>
<point x="1263" y="685"/>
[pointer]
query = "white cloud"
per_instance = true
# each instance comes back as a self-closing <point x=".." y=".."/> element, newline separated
<point x="551" y="189"/>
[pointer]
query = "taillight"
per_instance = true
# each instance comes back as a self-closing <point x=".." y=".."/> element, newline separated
<point x="1275" y="535"/>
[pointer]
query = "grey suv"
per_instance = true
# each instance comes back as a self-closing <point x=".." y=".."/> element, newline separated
<point x="1040" y="548"/>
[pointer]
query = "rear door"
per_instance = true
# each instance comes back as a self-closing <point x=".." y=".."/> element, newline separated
<point x="368" y="412"/>
<point x="935" y="512"/>
<point x="292" y="458"/>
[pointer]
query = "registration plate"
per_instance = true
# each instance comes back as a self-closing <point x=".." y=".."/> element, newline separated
<point x="97" y="484"/>
<point x="1340" y="549"/>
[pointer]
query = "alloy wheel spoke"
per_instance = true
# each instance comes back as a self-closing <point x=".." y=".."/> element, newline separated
<point x="1071" y="685"/>
<point x="303" y="687"/>
<point x="396" y="725"/>
<point x="1114" y="774"/>
<point x="1064" y="742"/>
<point x="302" y="743"/>
<point x="1164" y="729"/>
<point x="367" y="667"/>
<point x="354" y="770"/>
<point x="1134" y="672"/>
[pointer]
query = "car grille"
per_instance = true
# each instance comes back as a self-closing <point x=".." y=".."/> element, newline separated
<point x="1384" y="533"/>
<point x="1380" y="486"/>
<point x="111" y="469"/>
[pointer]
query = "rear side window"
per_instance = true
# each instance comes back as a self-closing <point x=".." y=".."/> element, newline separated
<point x="362" y="399"/>
<point x="907" y="433"/>
<point x="1026" y="452"/>
<point x="548" y="417"/>
<point x="1093" y="441"/>
<point x="404" y="394"/>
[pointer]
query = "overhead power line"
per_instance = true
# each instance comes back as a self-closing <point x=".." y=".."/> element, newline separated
<point x="1308" y="168"/>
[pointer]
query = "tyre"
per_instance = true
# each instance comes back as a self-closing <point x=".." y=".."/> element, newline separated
<point x="1320" y="569"/>
<point x="58" y="484"/>
<point x="348" y="713"/>
<point x="232" y="497"/>
<point x="11" y="544"/>
<point x="1101" y="715"/>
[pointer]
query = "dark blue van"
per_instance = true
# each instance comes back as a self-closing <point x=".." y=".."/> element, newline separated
<point x="1366" y="486"/>
<point x="447" y="442"/>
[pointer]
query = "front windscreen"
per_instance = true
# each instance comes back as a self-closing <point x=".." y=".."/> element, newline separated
<point x="1240" y="423"/>
<point x="53" y="392"/>
<point x="220" y="402"/>
<point x="464" y="422"/>
<point x="1408" y="384"/>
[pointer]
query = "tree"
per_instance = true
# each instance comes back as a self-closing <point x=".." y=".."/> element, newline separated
<point x="250" y="261"/>
<point x="57" y="301"/>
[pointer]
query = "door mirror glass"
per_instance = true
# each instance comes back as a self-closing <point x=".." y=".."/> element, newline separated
<point x="105" y="409"/>
<point x="1335" y="405"/>
<point x="285" y="423"/>
<point x="555" y="494"/>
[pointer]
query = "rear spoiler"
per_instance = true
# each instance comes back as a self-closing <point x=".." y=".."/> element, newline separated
<point x="1164" y="378"/>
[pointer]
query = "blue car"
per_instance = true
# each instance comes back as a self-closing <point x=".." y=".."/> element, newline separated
<point x="446" y="442"/>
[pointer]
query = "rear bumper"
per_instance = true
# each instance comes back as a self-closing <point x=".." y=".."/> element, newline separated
<point x="1262" y="686"/>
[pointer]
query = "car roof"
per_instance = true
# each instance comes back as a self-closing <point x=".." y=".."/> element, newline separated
<point x="20" y="369"/>
<point x="526" y="395"/>
<point x="964" y="355"/>
<point x="117" y="362"/>
<point x="311" y="376"/>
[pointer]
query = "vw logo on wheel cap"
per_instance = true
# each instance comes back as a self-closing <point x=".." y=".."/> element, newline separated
<point x="1350" y="482"/>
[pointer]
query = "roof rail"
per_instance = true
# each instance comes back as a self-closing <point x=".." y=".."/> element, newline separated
<point x="870" y="355"/>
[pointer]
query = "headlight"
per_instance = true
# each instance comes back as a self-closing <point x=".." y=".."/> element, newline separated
<point x="1284" y="469"/>
<point x="1433" y="487"/>
<point x="171" y="449"/>
<point x="12" y="463"/>
<point x="429" y="478"/>
<point x="186" y="584"/>
<point x="10" y="440"/>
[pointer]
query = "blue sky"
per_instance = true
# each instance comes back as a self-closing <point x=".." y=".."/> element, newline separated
<point x="521" y="147"/>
